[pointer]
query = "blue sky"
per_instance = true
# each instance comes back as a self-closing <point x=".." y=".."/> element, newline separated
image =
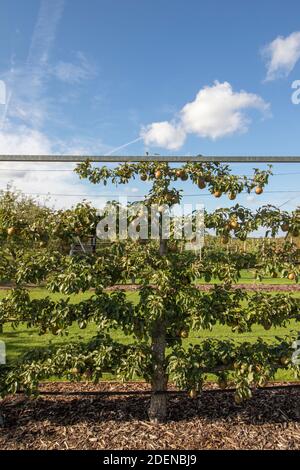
<point x="90" y="76"/>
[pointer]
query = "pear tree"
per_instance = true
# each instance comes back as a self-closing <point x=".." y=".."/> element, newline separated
<point x="160" y="327"/>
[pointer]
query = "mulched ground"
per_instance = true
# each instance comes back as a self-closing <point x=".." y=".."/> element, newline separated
<point x="270" y="420"/>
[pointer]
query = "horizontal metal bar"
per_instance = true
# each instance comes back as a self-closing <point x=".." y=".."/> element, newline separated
<point x="152" y="158"/>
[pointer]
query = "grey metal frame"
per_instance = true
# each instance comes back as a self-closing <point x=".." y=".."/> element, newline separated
<point x="150" y="158"/>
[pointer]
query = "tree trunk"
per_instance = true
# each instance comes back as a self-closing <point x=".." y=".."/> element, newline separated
<point x="158" y="404"/>
<point x="163" y="247"/>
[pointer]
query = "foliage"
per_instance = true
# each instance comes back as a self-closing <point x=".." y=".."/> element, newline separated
<point x="170" y="305"/>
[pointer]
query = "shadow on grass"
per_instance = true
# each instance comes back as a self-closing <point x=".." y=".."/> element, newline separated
<point x="17" y="333"/>
<point x="16" y="351"/>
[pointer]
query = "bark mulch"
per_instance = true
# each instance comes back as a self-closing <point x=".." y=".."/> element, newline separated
<point x="270" y="420"/>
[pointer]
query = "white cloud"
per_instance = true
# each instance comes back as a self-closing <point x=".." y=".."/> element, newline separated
<point x="23" y="140"/>
<point x="30" y="101"/>
<point x="18" y="140"/>
<point x="281" y="55"/>
<point x="74" y="73"/>
<point x="164" y="134"/>
<point x="216" y="112"/>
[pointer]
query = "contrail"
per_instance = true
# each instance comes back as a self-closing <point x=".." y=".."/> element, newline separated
<point x="43" y="38"/>
<point x="123" y="146"/>
<point x="8" y="98"/>
<point x="289" y="200"/>
<point x="2" y="92"/>
<point x="44" y="32"/>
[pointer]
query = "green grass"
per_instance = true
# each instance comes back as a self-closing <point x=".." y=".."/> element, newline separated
<point x="248" y="277"/>
<point x="22" y="339"/>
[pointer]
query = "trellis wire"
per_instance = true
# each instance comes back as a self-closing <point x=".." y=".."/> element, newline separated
<point x="71" y="170"/>
<point x="142" y="196"/>
<point x="150" y="158"/>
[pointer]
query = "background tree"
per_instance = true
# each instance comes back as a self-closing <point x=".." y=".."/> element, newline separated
<point x="170" y="306"/>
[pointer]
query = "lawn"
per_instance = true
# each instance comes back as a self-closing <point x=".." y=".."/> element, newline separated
<point x="22" y="339"/>
<point x="248" y="277"/>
